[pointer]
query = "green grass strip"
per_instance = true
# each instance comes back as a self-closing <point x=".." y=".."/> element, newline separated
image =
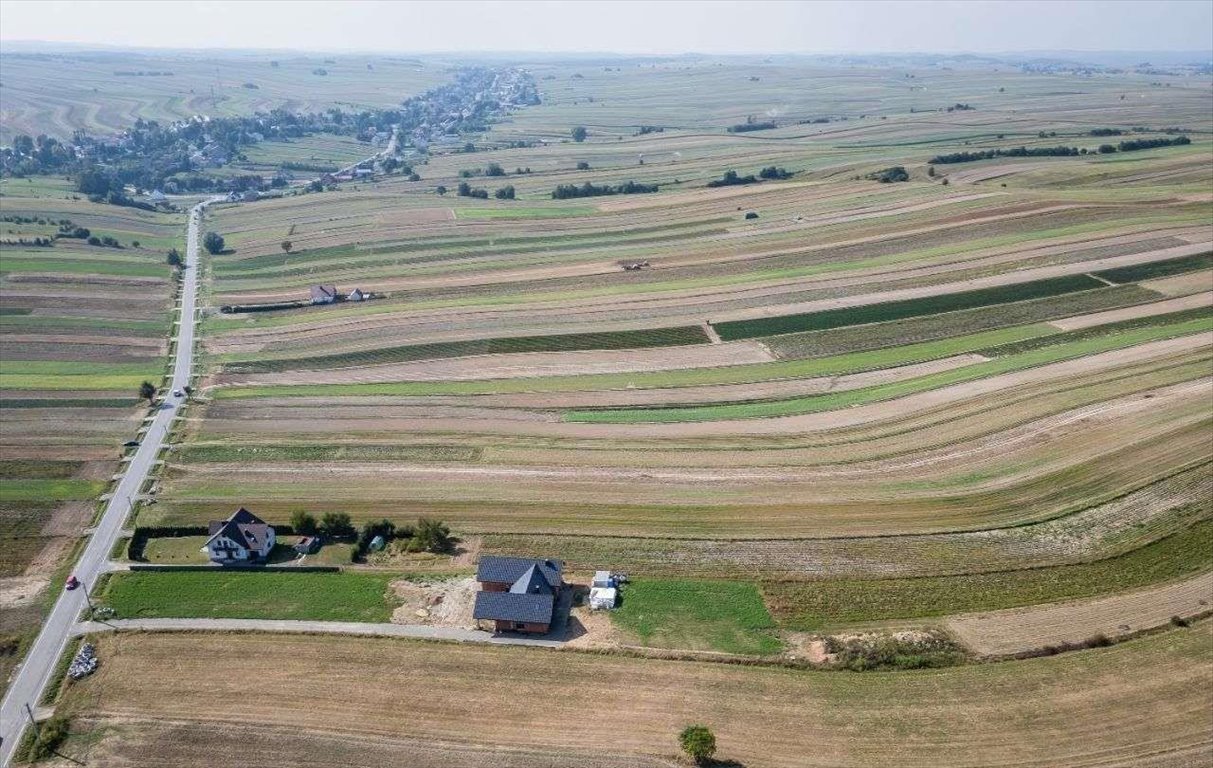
<point x="1155" y="269"/>
<point x="38" y="489"/>
<point x="837" y="400"/>
<point x="61" y="383"/>
<point x="656" y="337"/>
<point x="812" y="605"/>
<point x="897" y="310"/>
<point x="240" y="453"/>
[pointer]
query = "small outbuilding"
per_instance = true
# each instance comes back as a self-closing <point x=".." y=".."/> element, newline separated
<point x="323" y="294"/>
<point x="308" y="545"/>
<point x="603" y="598"/>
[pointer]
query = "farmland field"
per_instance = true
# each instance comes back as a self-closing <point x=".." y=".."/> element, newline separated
<point x="814" y="403"/>
<point x="81" y="327"/>
<point x="1034" y="712"/>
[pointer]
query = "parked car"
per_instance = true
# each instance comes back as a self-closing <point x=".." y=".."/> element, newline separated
<point x="72" y="582"/>
<point x="131" y="444"/>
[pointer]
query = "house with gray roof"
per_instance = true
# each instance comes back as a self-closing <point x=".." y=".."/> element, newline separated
<point x="517" y="594"/>
<point x="243" y="538"/>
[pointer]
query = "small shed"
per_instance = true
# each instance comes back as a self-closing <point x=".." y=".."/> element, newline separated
<point x="377" y="544"/>
<point x="307" y="545"/>
<point x="604" y="579"/>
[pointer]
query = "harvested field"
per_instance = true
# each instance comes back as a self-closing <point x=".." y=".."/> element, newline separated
<point x="1025" y="629"/>
<point x="1035" y="712"/>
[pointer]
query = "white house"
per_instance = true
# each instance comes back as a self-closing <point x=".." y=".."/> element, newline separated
<point x="242" y="538"/>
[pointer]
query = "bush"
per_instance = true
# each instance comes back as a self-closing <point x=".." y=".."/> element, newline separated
<point x="772" y="172"/>
<point x="888" y="175"/>
<point x="213" y="242"/>
<point x="579" y="134"/>
<point x="731" y="178"/>
<point x="304" y="523"/>
<point x="505" y="193"/>
<point x="432" y="536"/>
<point x="336" y="525"/>
<point x="583" y="166"/>
<point x="698" y="742"/>
<point x="51" y="734"/>
<point x="493" y="169"/>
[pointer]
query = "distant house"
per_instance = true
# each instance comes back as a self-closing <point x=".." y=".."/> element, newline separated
<point x="363" y="173"/>
<point x="242" y="538"/>
<point x="518" y="594"/>
<point x="324" y="294"/>
<point x="356" y="295"/>
<point x="156" y="197"/>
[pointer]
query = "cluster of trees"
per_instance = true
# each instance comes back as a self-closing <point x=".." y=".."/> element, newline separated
<point x="889" y="175"/>
<point x="1106" y="132"/>
<point x="427" y="535"/>
<point x="465" y="190"/>
<point x="567" y="191"/>
<point x="989" y="154"/>
<point x="642" y="130"/>
<point x="958" y="107"/>
<point x="332" y="525"/>
<point x="1134" y="144"/>
<point x="1124" y="146"/>
<point x="505" y="193"/>
<point x="773" y="172"/>
<point x="752" y="125"/>
<point x="731" y="178"/>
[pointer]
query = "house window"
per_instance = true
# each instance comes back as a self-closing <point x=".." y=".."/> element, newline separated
<point x="519" y="625"/>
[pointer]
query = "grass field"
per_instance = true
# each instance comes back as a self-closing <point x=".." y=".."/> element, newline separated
<point x="244" y="595"/>
<point x="699" y="615"/>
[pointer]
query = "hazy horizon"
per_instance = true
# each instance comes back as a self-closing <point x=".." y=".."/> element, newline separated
<point x="982" y="27"/>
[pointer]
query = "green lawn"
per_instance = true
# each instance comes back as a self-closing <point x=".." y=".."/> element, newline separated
<point x="61" y="489"/>
<point x="726" y="616"/>
<point x="250" y="595"/>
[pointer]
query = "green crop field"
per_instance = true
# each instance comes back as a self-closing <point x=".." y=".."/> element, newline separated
<point x="243" y="595"/>
<point x="699" y="615"/>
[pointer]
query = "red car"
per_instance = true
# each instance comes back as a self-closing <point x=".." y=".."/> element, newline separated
<point x="72" y="582"/>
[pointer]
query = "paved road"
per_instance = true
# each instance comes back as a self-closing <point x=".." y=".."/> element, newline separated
<point x="322" y="627"/>
<point x="34" y="672"/>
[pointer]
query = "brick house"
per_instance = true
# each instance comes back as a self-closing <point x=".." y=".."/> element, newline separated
<point x="517" y="594"/>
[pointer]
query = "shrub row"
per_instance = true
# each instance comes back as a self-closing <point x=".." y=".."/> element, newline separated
<point x="1153" y="269"/>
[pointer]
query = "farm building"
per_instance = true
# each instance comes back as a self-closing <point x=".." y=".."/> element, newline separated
<point x="356" y="295"/>
<point x="242" y="538"/>
<point x="517" y="594"/>
<point x="324" y="294"/>
<point x="307" y="545"/>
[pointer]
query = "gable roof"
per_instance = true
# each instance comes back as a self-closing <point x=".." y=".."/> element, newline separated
<point x="323" y="292"/>
<point x="243" y="527"/>
<point x="507" y="570"/>
<point x="511" y="606"/>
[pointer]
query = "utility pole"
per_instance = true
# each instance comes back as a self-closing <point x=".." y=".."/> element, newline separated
<point x="34" y="723"/>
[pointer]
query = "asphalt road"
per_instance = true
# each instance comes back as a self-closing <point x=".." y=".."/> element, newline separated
<point x="35" y="671"/>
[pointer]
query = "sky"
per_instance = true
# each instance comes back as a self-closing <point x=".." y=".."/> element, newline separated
<point x="620" y="26"/>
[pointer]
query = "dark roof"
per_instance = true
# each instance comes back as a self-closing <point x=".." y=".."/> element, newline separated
<point x="510" y="606"/>
<point x="323" y="292"/>
<point x="243" y="527"/>
<point x="507" y="570"/>
<point x="531" y="583"/>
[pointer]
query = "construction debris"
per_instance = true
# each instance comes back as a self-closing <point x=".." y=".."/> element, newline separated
<point x="85" y="662"/>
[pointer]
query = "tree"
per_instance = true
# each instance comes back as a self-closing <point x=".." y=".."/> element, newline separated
<point x="931" y="171"/>
<point x="698" y="742"/>
<point x="464" y="189"/>
<point x="494" y="169"/>
<point x="213" y="242"/>
<point x="432" y="535"/>
<point x="579" y="134"/>
<point x="286" y="246"/>
<point x="147" y="391"/>
<point x="303" y="523"/>
<point x="583" y="166"/>
<point x="336" y="524"/>
<point x="505" y="193"/>
<point x="173" y="258"/>
<point x="440" y="189"/>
